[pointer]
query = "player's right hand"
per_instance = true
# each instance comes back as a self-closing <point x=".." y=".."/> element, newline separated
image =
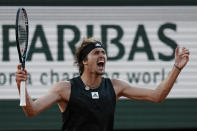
<point x="20" y="75"/>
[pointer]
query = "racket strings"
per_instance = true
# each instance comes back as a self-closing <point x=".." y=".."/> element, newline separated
<point x="22" y="32"/>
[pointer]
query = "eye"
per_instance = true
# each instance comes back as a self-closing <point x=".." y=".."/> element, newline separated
<point x="96" y="52"/>
<point x="103" y="52"/>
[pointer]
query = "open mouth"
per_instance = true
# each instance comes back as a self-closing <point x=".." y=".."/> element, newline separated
<point x="100" y="64"/>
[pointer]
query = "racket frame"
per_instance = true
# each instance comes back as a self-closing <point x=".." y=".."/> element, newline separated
<point x="22" y="58"/>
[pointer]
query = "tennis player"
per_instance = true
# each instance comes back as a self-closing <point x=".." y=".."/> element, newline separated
<point x="87" y="102"/>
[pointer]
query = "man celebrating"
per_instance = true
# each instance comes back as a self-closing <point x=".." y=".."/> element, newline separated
<point x="87" y="102"/>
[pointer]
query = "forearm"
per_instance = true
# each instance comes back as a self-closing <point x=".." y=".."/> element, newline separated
<point x="29" y="108"/>
<point x="33" y="108"/>
<point x="166" y="85"/>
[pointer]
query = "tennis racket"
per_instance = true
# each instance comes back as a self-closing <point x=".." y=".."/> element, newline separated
<point x="22" y="31"/>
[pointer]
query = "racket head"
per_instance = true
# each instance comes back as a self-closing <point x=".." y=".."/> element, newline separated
<point x="22" y="32"/>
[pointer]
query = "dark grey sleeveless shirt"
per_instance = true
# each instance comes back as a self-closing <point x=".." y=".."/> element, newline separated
<point x="90" y="110"/>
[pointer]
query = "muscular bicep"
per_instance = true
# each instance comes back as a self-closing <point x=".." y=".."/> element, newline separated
<point x="124" y="89"/>
<point x="52" y="96"/>
<point x="45" y="101"/>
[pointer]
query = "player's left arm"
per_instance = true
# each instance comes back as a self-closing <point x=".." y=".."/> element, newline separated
<point x="158" y="94"/>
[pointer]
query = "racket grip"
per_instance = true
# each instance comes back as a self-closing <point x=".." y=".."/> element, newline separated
<point x="22" y="93"/>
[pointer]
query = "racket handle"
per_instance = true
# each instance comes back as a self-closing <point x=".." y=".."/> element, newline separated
<point x="22" y="93"/>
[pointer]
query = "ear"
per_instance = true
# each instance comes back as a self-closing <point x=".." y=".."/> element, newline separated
<point x="85" y="62"/>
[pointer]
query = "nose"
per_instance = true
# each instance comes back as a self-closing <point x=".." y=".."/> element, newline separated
<point x="102" y="54"/>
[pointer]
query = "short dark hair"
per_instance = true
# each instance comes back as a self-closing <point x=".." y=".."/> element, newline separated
<point x="78" y="60"/>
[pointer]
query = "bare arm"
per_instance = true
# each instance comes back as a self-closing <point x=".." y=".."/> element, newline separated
<point x="160" y="93"/>
<point x="33" y="108"/>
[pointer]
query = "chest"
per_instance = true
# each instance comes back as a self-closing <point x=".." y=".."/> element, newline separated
<point x="99" y="100"/>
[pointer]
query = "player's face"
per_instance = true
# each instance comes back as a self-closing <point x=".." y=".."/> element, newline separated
<point x="96" y="61"/>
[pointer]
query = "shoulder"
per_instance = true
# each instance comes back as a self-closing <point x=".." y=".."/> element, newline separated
<point x="63" y="88"/>
<point x="117" y="89"/>
<point x="118" y="82"/>
<point x="119" y="85"/>
<point x="62" y="85"/>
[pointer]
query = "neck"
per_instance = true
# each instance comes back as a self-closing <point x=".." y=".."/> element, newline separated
<point x="91" y="80"/>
